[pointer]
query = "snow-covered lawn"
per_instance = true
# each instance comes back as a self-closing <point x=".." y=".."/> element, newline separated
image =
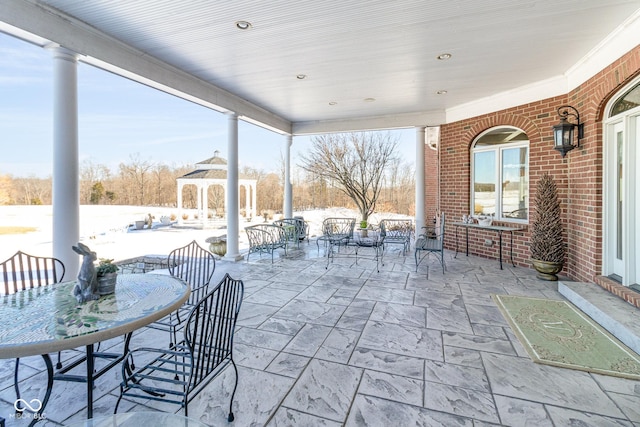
<point x="105" y="229"/>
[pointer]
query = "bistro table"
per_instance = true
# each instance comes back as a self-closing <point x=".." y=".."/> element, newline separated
<point x="45" y="320"/>
<point x="496" y="228"/>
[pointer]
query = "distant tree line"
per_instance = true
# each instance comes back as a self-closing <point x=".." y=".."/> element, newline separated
<point x="140" y="182"/>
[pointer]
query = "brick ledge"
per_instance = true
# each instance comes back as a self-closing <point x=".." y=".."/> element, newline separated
<point x="617" y="289"/>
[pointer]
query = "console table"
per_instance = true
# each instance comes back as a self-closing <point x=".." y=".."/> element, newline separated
<point x="495" y="228"/>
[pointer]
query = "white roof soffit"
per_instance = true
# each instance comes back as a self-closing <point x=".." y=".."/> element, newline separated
<point x="35" y="22"/>
<point x="619" y="42"/>
<point x="25" y="20"/>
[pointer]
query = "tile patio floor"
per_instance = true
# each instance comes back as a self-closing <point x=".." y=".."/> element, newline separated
<point x="350" y="346"/>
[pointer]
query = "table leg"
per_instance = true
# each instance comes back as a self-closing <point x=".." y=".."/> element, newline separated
<point x="90" y="381"/>
<point x="39" y="414"/>
<point x="456" y="255"/>
<point x="512" y="262"/>
<point x="500" y="250"/>
<point x="466" y="232"/>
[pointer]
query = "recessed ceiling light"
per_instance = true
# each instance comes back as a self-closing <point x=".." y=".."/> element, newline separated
<point x="243" y="25"/>
<point x="333" y="103"/>
<point x="441" y="92"/>
<point x="301" y="76"/>
<point x="444" y="56"/>
<point x="369" y="99"/>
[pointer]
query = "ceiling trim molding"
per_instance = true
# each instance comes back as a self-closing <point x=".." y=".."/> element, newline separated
<point x="398" y="121"/>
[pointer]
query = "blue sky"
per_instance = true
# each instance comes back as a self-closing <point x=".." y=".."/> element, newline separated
<point x="119" y="119"/>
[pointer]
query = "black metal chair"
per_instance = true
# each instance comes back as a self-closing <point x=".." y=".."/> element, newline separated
<point x="178" y="374"/>
<point x="23" y="271"/>
<point x="397" y="231"/>
<point x="431" y="242"/>
<point x="195" y="265"/>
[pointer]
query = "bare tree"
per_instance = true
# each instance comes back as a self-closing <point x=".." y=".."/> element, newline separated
<point x="355" y="162"/>
<point x="136" y="175"/>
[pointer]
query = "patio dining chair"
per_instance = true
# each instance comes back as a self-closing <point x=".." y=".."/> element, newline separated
<point x="431" y="242"/>
<point x="195" y="265"/>
<point x="176" y="375"/>
<point x="23" y="271"/>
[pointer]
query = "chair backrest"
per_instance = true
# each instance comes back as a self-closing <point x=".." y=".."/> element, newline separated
<point x="338" y="228"/>
<point x="396" y="229"/>
<point x="195" y="265"/>
<point x="297" y="225"/>
<point x="23" y="271"/>
<point x="210" y="328"/>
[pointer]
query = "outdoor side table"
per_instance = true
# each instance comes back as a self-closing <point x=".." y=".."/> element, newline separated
<point x="495" y="228"/>
<point x="45" y="320"/>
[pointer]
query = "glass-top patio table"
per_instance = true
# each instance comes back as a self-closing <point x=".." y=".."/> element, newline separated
<point x="49" y="319"/>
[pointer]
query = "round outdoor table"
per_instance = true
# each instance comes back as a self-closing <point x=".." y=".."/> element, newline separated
<point x="48" y="319"/>
<point x="137" y="419"/>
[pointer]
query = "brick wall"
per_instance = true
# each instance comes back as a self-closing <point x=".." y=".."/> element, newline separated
<point x="578" y="176"/>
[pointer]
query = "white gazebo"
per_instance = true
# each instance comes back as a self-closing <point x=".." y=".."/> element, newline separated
<point x="211" y="172"/>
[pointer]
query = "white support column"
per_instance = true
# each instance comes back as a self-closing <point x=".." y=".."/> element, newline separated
<point x="254" y="198"/>
<point x="66" y="181"/>
<point x="287" y="209"/>
<point x="179" y="201"/>
<point x="205" y="204"/>
<point x="420" y="189"/>
<point x="232" y="200"/>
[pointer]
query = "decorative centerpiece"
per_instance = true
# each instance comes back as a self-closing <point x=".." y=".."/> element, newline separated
<point x="87" y="287"/>
<point x="106" y="273"/>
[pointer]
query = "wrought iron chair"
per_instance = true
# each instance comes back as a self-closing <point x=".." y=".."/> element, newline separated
<point x="265" y="238"/>
<point x="397" y="231"/>
<point x="178" y="374"/>
<point x="337" y="232"/>
<point x="431" y="242"/>
<point x="294" y="229"/>
<point x="23" y="271"/>
<point x="195" y="265"/>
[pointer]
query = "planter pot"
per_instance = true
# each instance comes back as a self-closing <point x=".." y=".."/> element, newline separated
<point x="139" y="225"/>
<point x="547" y="270"/>
<point x="364" y="232"/>
<point x="218" y="245"/>
<point x="107" y="283"/>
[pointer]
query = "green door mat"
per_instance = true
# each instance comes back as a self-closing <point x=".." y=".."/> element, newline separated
<point x="557" y="333"/>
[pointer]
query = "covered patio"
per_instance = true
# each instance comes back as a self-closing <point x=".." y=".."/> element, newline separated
<point x="349" y="346"/>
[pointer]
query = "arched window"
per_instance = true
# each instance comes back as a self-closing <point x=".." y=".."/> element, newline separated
<point x="500" y="174"/>
<point x="626" y="102"/>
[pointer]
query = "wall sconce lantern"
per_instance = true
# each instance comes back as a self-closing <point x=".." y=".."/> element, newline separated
<point x="563" y="131"/>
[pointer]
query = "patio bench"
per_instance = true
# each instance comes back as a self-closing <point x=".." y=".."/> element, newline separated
<point x="265" y="238"/>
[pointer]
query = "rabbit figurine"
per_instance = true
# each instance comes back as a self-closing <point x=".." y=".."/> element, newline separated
<point x="87" y="287"/>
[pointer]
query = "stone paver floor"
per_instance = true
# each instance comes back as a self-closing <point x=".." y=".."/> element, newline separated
<point x="346" y="345"/>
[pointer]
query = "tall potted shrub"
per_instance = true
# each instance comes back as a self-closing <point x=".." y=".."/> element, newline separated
<point x="547" y="244"/>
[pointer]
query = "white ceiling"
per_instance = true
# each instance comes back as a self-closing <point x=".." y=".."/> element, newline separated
<point x="349" y="51"/>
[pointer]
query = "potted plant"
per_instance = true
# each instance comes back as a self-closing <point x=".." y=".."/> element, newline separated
<point x="363" y="228"/>
<point x="107" y="273"/>
<point x="547" y="243"/>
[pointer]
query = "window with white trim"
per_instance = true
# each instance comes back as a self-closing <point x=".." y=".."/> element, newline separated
<point x="500" y="174"/>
